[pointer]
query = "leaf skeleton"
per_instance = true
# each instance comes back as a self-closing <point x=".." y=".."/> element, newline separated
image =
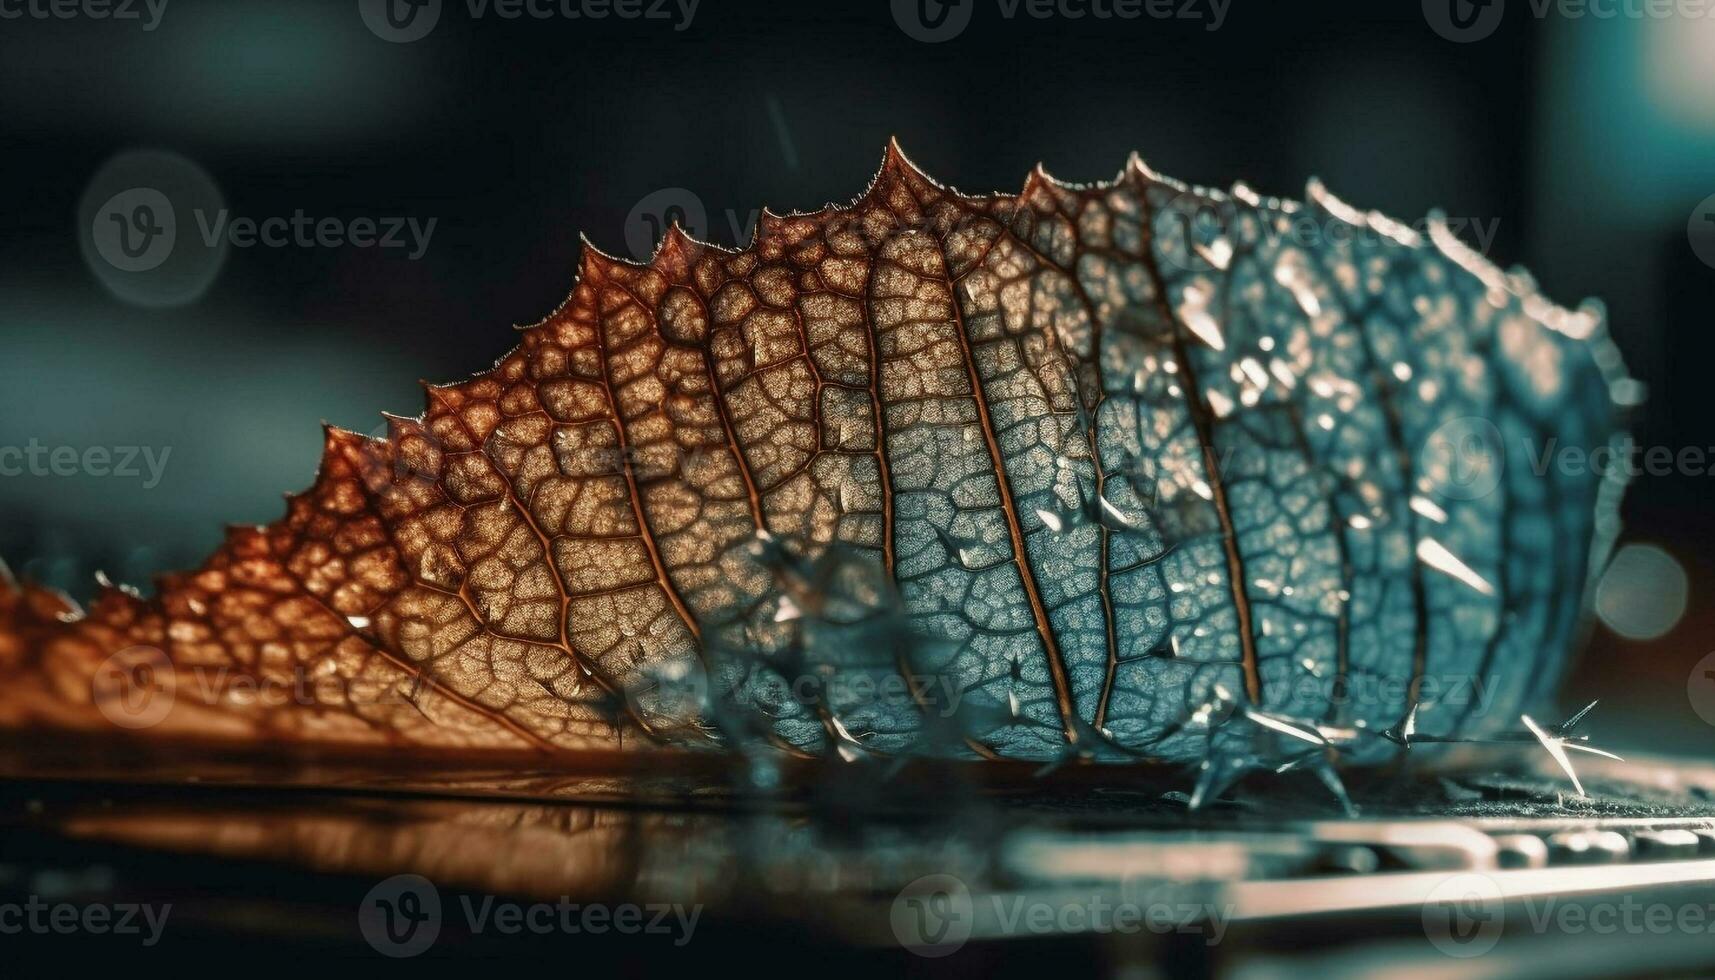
<point x="1111" y="478"/>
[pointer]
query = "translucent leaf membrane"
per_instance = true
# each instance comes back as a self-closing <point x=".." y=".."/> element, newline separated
<point x="1003" y="476"/>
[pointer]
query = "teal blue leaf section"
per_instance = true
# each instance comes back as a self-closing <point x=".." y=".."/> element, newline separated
<point x="1154" y="448"/>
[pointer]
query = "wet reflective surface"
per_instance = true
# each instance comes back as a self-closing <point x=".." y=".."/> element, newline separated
<point x="864" y="858"/>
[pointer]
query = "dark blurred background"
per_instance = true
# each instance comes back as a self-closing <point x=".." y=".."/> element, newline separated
<point x="1585" y="145"/>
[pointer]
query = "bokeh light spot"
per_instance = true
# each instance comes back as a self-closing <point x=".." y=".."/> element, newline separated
<point x="1643" y="593"/>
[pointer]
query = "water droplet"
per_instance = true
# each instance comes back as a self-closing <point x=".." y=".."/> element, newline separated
<point x="1428" y="508"/>
<point x="1194" y="313"/>
<point x="1290" y="275"/>
<point x="1218" y="253"/>
<point x="966" y="551"/>
<point x="1113" y="517"/>
<point x="1254" y="372"/>
<point x="1435" y="554"/>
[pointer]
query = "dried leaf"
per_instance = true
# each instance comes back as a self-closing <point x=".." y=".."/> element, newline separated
<point x="1010" y="476"/>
